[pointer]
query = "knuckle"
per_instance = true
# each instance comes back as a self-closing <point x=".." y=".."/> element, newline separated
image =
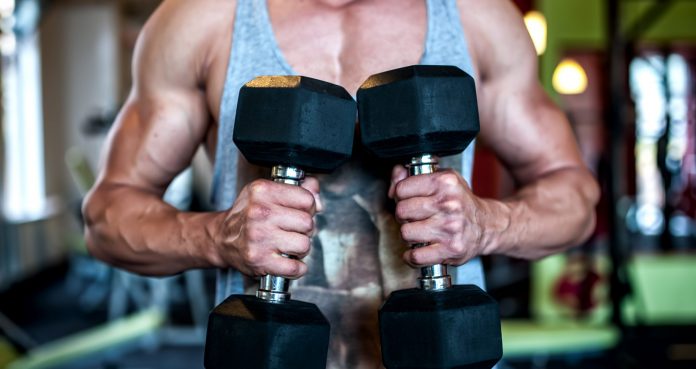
<point x="306" y="201"/>
<point x="294" y="269"/>
<point x="452" y="206"/>
<point x="401" y="211"/>
<point x="448" y="179"/>
<point x="307" y="223"/>
<point x="258" y="212"/>
<point x="452" y="226"/>
<point x="415" y="258"/>
<point x="455" y="248"/>
<point x="399" y="188"/>
<point x="406" y="231"/>
<point x="305" y="245"/>
<point x="258" y="188"/>
<point x="252" y="257"/>
<point x="298" y="245"/>
<point x="311" y="183"/>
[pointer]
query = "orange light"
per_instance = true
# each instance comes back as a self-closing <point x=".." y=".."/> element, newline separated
<point x="569" y="78"/>
<point x="537" y="28"/>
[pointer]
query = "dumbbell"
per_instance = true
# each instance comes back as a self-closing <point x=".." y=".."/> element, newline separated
<point x="292" y="124"/>
<point x="412" y="115"/>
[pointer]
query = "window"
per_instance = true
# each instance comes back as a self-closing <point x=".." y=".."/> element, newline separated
<point x="24" y="194"/>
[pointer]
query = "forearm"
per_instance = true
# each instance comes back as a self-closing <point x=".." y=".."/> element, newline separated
<point x="547" y="216"/>
<point x="136" y="230"/>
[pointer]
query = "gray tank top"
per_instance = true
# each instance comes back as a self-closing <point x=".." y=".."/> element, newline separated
<point x="355" y="260"/>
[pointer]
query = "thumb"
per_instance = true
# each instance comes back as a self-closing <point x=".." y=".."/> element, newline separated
<point x="311" y="184"/>
<point x="399" y="173"/>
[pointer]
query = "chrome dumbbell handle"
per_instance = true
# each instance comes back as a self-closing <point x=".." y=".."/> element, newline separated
<point x="434" y="277"/>
<point x="274" y="288"/>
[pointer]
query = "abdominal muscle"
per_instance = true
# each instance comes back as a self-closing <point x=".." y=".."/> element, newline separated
<point x="355" y="262"/>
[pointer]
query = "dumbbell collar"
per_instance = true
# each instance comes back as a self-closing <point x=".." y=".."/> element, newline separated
<point x="272" y="288"/>
<point x="434" y="277"/>
<point x="287" y="174"/>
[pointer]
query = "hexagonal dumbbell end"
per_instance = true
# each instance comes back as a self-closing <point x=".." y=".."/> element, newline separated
<point x="245" y="332"/>
<point x="456" y="328"/>
<point x="421" y="109"/>
<point x="295" y="121"/>
<point x="292" y="124"/>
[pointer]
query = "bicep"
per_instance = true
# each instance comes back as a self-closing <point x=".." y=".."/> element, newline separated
<point x="528" y="132"/>
<point x="152" y="141"/>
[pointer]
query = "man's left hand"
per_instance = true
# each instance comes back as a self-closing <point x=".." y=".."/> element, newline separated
<point x="441" y="209"/>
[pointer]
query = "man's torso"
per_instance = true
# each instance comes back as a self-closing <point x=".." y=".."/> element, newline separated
<point x="355" y="259"/>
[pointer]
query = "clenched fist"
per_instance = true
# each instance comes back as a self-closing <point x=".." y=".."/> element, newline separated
<point x="441" y="209"/>
<point x="268" y="220"/>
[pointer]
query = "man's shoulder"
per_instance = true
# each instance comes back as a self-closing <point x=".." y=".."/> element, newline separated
<point x="496" y="32"/>
<point x="186" y="35"/>
<point x="488" y="10"/>
<point x="201" y="20"/>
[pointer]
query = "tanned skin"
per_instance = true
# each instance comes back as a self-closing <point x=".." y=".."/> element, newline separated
<point x="173" y="108"/>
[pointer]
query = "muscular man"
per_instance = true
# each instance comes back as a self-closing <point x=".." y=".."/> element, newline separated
<point x="191" y="59"/>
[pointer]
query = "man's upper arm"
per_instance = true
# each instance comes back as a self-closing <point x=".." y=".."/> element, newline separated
<point x="527" y="131"/>
<point x="165" y="117"/>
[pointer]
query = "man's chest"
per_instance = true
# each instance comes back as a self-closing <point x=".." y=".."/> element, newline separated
<point x="339" y="45"/>
<point x="345" y="46"/>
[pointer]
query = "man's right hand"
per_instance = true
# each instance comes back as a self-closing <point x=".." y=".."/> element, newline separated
<point x="268" y="220"/>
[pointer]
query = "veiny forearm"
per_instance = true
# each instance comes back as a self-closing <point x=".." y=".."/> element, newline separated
<point x="547" y="216"/>
<point x="136" y="230"/>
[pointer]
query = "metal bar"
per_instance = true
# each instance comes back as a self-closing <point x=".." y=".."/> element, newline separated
<point x="620" y="45"/>
<point x="617" y="50"/>
<point x="433" y="277"/>
<point x="272" y="288"/>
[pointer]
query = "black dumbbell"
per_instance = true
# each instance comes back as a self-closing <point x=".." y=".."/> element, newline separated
<point x="413" y="115"/>
<point x="291" y="124"/>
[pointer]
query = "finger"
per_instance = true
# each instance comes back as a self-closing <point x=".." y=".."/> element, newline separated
<point x="293" y="220"/>
<point x="282" y="194"/>
<point x="269" y="241"/>
<point x="399" y="173"/>
<point x="415" y="209"/>
<point x="446" y="181"/>
<point x="281" y="266"/>
<point x="434" y="254"/>
<point x="415" y="186"/>
<point x="428" y="255"/>
<point x="294" y="244"/>
<point x="422" y="231"/>
<point x="311" y="184"/>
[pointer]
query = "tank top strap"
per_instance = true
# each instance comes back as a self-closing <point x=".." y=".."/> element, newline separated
<point x="446" y="42"/>
<point x="253" y="37"/>
<point x="254" y="52"/>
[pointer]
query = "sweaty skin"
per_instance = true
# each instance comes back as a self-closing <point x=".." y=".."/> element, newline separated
<point x="179" y="72"/>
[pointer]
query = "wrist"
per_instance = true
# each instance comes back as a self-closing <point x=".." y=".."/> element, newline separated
<point x="497" y="221"/>
<point x="201" y="234"/>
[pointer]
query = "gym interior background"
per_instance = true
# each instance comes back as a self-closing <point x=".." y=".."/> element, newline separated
<point x="622" y="70"/>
